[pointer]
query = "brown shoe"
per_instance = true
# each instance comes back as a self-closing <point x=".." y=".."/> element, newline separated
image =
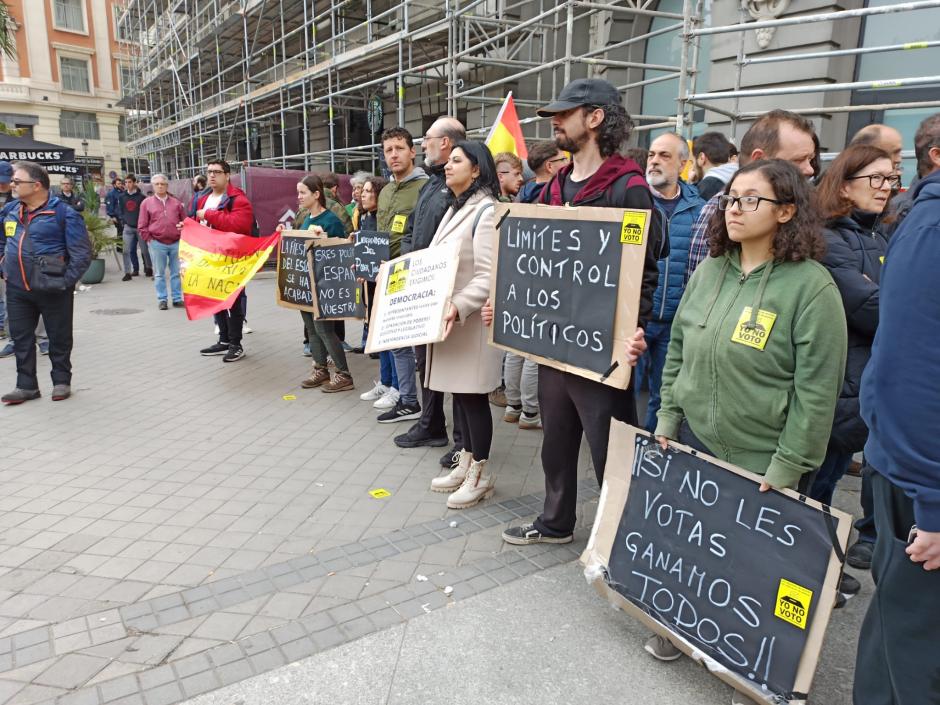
<point x="498" y="397"/>
<point x="341" y="382"/>
<point x="319" y="375"/>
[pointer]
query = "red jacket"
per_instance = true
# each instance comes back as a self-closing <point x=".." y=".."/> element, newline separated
<point x="235" y="217"/>
<point x="158" y="220"/>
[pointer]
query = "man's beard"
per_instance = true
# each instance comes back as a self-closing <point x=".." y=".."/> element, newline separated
<point x="657" y="181"/>
<point x="567" y="144"/>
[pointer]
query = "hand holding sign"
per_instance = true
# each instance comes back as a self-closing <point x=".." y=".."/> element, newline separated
<point x="449" y="319"/>
<point x="636" y="346"/>
<point x="486" y="313"/>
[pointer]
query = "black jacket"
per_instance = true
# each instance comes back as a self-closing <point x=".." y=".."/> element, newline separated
<point x="75" y="200"/>
<point x="428" y="212"/>
<point x="855" y="247"/>
<point x="129" y="207"/>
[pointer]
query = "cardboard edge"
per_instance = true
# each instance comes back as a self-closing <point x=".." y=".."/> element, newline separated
<point x="310" y="244"/>
<point x="277" y="276"/>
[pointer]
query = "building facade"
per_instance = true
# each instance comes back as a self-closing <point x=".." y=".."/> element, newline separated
<point x="309" y="84"/>
<point x="70" y="71"/>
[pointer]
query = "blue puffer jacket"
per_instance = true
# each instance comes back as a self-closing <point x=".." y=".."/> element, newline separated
<point x="47" y="249"/>
<point x="672" y="268"/>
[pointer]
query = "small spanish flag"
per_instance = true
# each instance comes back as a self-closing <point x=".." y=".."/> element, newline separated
<point x="216" y="265"/>
<point x="506" y="133"/>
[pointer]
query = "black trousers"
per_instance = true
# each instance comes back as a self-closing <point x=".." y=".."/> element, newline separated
<point x="897" y="662"/>
<point x="432" y="405"/>
<point x="232" y="320"/>
<point x="476" y="422"/>
<point x="571" y="406"/>
<point x="23" y="311"/>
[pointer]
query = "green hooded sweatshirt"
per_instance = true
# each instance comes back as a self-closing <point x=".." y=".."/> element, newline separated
<point x="396" y="201"/>
<point x="755" y="365"/>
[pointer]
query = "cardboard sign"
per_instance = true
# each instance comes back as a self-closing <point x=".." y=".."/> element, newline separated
<point x="336" y="292"/>
<point x="411" y="297"/>
<point x="372" y="248"/>
<point x="293" y="280"/>
<point x="740" y="579"/>
<point x="566" y="286"/>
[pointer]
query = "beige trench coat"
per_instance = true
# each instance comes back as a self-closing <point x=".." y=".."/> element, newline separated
<point x="465" y="363"/>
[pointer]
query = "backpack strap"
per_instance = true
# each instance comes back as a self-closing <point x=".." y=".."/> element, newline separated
<point x="476" y="220"/>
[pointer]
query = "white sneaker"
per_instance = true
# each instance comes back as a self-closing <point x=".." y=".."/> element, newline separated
<point x="477" y="486"/>
<point x="454" y="479"/>
<point x="375" y="393"/>
<point x="217" y="329"/>
<point x="246" y="329"/>
<point x="387" y="400"/>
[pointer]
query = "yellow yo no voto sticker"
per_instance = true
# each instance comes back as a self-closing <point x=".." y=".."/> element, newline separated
<point x="380" y="493"/>
<point x="633" y="227"/>
<point x="793" y="603"/>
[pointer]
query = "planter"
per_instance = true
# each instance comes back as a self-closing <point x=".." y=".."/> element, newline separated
<point x="95" y="272"/>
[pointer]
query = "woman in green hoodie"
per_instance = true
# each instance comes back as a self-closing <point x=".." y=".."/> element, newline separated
<point x="758" y="346"/>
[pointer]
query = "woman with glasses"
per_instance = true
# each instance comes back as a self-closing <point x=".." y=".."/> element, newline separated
<point x="758" y="343"/>
<point x="853" y="195"/>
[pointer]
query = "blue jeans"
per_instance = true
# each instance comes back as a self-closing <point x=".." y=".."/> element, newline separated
<point x="831" y="471"/>
<point x="131" y="241"/>
<point x="162" y="255"/>
<point x="650" y="366"/>
<point x="407" y="382"/>
<point x="387" y="374"/>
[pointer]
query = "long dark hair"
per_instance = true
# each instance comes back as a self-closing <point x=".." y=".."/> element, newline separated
<point x="853" y="159"/>
<point x="800" y="237"/>
<point x="315" y="184"/>
<point x="487" y="182"/>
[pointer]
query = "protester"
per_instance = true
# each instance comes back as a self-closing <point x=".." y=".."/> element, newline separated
<point x="333" y="201"/>
<point x="161" y="218"/>
<point x="199" y="186"/>
<point x="396" y="202"/>
<point x="384" y="395"/>
<point x="324" y="342"/>
<point x="433" y="201"/>
<point x="46" y="252"/>
<point x="900" y="398"/>
<point x="679" y="204"/>
<point x="463" y="364"/>
<point x="112" y="206"/>
<point x="712" y="154"/>
<point x="589" y="122"/>
<point x="129" y="212"/>
<point x="225" y="207"/>
<point x="6" y="195"/>
<point x="883" y="137"/>
<point x="758" y="344"/>
<point x="354" y="208"/>
<point x="544" y="160"/>
<point x="69" y="196"/>
<point x="509" y="172"/>
<point x="778" y="134"/>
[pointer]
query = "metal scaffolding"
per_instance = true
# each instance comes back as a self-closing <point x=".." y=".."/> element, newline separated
<point x="308" y="84"/>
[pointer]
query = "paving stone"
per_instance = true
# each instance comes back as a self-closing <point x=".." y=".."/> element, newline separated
<point x="150" y="649"/>
<point x="117" y="688"/>
<point x="87" y="696"/>
<point x="71" y="671"/>
<point x="32" y="694"/>
<point x="167" y="694"/>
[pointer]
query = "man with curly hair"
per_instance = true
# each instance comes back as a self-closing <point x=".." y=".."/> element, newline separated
<point x="590" y="122"/>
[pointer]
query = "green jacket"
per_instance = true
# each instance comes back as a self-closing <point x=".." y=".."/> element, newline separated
<point x="339" y="210"/>
<point x="396" y="201"/>
<point x="765" y="400"/>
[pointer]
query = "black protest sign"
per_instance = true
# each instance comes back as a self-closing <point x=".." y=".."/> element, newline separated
<point x="336" y="292"/>
<point x="566" y="286"/>
<point x="372" y="248"/>
<point x="293" y="281"/>
<point x="743" y="578"/>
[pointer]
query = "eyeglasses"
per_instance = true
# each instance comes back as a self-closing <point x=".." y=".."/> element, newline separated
<point x="214" y="171"/>
<point x="876" y="181"/>
<point x="558" y="159"/>
<point x="17" y="182"/>
<point x="507" y="173"/>
<point x="746" y="203"/>
<point x="433" y="137"/>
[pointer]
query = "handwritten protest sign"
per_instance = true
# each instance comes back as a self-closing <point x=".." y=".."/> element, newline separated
<point x="566" y="286"/>
<point x="336" y="292"/>
<point x="412" y="292"/>
<point x="372" y="248"/>
<point x="740" y="579"/>
<point x="293" y="280"/>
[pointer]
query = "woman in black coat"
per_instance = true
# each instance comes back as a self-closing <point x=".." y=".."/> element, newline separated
<point x="852" y="195"/>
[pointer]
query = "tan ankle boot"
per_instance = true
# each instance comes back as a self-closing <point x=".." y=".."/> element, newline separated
<point x="477" y="486"/>
<point x="318" y="376"/>
<point x="454" y="479"/>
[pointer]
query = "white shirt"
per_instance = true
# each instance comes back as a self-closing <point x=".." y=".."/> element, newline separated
<point x="212" y="201"/>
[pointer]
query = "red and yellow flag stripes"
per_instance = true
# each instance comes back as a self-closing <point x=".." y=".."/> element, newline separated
<point x="506" y="133"/>
<point x="215" y="266"/>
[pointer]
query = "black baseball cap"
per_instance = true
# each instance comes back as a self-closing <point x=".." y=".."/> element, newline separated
<point x="582" y="91"/>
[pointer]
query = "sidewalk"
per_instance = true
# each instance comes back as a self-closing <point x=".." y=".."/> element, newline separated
<point x="182" y="528"/>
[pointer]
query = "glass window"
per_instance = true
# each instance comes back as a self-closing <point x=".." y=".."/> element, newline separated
<point x="78" y="125"/>
<point x="74" y="74"/>
<point x="128" y="80"/>
<point x="68" y="14"/>
<point x="666" y="49"/>
<point x="899" y="28"/>
<point x="119" y="32"/>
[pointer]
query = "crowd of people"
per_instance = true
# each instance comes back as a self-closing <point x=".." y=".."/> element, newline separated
<point x="786" y="323"/>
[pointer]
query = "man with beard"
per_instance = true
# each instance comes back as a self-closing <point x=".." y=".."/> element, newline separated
<point x="590" y="122"/>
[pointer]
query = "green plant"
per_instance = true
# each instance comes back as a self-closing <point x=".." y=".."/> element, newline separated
<point x="92" y="199"/>
<point x="98" y="233"/>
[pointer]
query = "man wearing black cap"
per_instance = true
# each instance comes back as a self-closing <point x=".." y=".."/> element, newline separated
<point x="589" y="122"/>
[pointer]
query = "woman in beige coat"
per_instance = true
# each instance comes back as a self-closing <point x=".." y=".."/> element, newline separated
<point x="464" y="364"/>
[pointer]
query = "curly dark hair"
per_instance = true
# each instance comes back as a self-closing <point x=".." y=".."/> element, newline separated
<point x="614" y="130"/>
<point x="798" y="239"/>
<point x="853" y="159"/>
<point x="487" y="182"/>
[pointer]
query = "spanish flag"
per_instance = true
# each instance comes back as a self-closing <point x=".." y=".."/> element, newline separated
<point x="216" y="265"/>
<point x="506" y="133"/>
